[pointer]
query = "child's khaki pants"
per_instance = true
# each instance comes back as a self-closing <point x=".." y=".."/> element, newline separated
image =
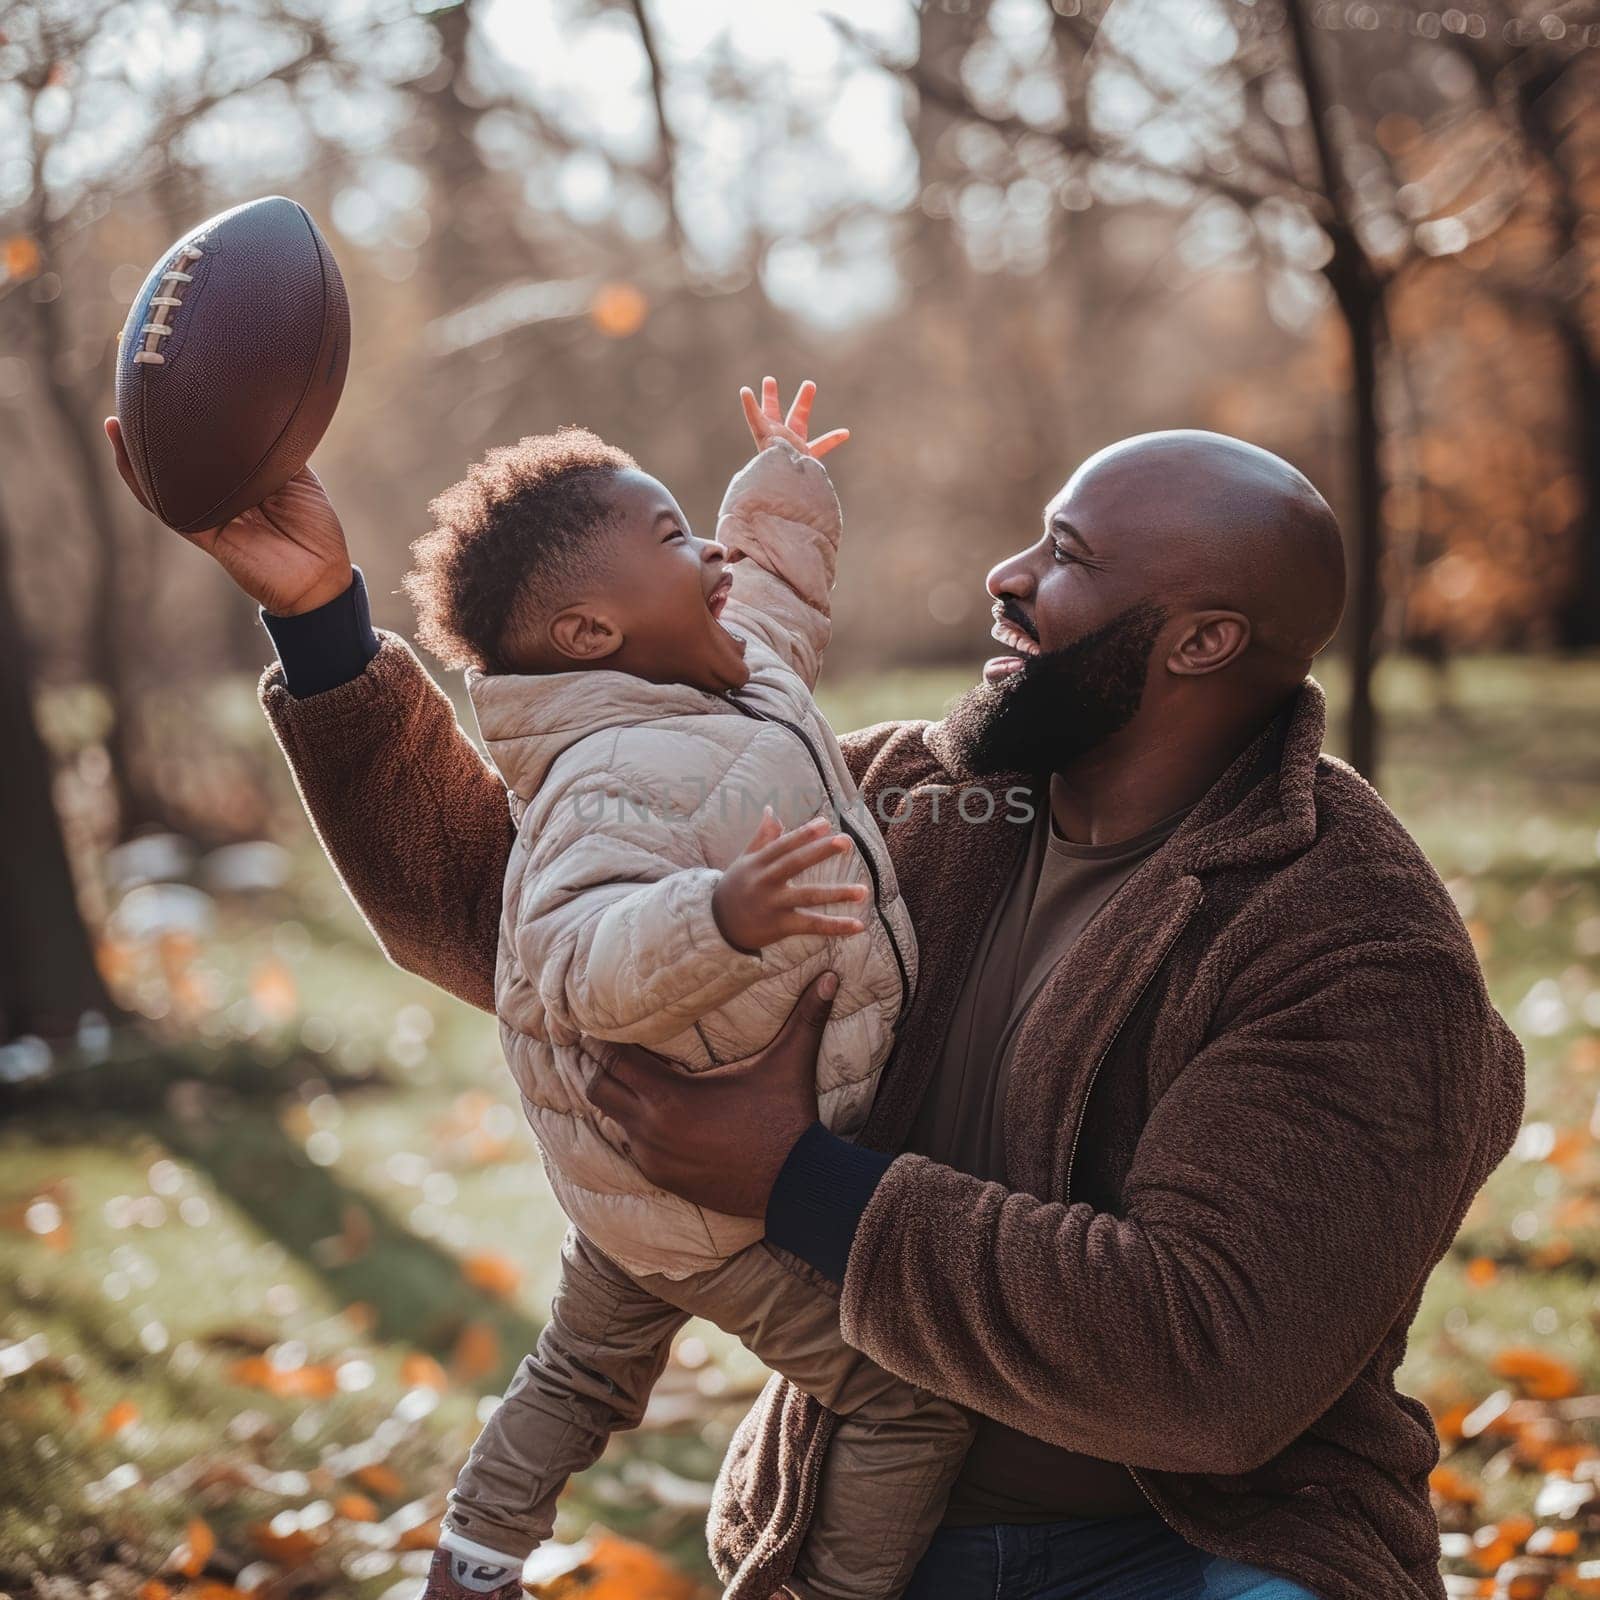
<point x="894" y="1455"/>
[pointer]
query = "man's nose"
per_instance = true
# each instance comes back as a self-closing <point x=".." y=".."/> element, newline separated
<point x="1010" y="577"/>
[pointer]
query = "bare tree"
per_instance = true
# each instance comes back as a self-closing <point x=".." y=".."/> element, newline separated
<point x="54" y="42"/>
<point x="48" y="977"/>
<point x="1546" y="86"/>
<point x="1304" y="150"/>
<point x="1359" y="286"/>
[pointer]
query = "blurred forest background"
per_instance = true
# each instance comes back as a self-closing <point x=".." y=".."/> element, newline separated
<point x="271" y="1233"/>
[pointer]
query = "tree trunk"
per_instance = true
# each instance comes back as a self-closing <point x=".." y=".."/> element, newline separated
<point x="1580" y="616"/>
<point x="1360" y="304"/>
<point x="1543" y="118"/>
<point x="48" y="978"/>
<point x="1359" y="291"/>
<point x="118" y="589"/>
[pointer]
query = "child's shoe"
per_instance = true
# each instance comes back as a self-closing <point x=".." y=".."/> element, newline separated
<point x="458" y="1575"/>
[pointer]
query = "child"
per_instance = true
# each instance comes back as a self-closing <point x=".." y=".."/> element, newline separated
<point x="646" y="696"/>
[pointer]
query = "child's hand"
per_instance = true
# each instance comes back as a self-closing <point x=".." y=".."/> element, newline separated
<point x="768" y="424"/>
<point x="755" y="904"/>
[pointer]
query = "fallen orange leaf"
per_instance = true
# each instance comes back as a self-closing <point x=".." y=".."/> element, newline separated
<point x="1571" y="1144"/>
<point x="477" y="1351"/>
<point x="256" y="1371"/>
<point x="420" y="1536"/>
<point x="1552" y="1253"/>
<point x="1518" y="1527"/>
<point x="121" y="1416"/>
<point x="1577" y="1211"/>
<point x="306" y="1383"/>
<point x="1566" y="1458"/>
<point x="1542" y="1376"/>
<point x="295" y="1383"/>
<point x="289" y="1546"/>
<point x="1452" y="1485"/>
<point x="1448" y="1422"/>
<point x="381" y="1479"/>
<point x="494" y="1274"/>
<point x="421" y="1371"/>
<point x="1553" y="1542"/>
<point x="619" y="1569"/>
<point x="198" y="1543"/>
<point x="1493" y="1552"/>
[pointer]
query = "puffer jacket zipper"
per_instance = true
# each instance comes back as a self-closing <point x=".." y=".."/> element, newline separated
<point x="860" y="843"/>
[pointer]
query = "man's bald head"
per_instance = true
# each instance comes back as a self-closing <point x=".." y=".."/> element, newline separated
<point x="1217" y="524"/>
<point x="1180" y="588"/>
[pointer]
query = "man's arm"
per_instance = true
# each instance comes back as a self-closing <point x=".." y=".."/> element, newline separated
<point x="1288" y="1198"/>
<point x="1289" y="1195"/>
<point x="415" y="822"/>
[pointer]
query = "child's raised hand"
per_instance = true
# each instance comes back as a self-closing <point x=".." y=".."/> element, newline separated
<point x="754" y="902"/>
<point x="768" y="424"/>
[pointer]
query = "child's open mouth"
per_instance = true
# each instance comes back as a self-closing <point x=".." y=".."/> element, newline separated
<point x="718" y="597"/>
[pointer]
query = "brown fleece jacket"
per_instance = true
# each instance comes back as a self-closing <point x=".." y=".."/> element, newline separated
<point x="1299" y="1083"/>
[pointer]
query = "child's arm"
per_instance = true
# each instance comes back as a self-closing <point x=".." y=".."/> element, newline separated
<point x="780" y="521"/>
<point x="624" y="941"/>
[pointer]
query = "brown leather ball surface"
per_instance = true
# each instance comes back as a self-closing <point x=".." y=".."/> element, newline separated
<point x="250" y="368"/>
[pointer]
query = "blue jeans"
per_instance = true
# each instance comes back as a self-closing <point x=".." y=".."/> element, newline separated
<point x="1091" y="1558"/>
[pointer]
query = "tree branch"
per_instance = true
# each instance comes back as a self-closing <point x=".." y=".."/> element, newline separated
<point x="667" y="166"/>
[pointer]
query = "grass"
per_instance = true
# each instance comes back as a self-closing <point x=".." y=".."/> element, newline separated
<point x="266" y="1271"/>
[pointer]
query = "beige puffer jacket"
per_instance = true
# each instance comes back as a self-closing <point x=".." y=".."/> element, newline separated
<point x="630" y="797"/>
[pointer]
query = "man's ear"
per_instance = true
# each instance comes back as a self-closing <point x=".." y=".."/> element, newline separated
<point x="584" y="635"/>
<point x="1211" y="641"/>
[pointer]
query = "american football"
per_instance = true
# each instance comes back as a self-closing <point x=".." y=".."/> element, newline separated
<point x="231" y="362"/>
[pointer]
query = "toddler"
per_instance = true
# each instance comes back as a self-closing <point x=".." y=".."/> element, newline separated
<point x="646" y="696"/>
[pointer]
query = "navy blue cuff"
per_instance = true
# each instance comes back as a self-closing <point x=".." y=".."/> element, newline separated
<point x="822" y="1189"/>
<point x="323" y="648"/>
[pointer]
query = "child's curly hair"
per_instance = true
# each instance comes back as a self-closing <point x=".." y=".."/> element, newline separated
<point x="508" y="542"/>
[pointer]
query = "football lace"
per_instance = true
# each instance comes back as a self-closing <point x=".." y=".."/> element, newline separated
<point x="164" y="303"/>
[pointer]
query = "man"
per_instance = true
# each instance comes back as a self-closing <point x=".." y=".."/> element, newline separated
<point x="1197" y="1084"/>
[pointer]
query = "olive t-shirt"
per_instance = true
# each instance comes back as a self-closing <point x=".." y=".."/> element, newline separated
<point x="1010" y="1476"/>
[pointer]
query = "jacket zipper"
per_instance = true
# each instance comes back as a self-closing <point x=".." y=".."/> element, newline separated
<point x="1083" y="1111"/>
<point x="860" y="843"/>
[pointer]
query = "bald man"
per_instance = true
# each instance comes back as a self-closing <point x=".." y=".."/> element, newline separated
<point x="1197" y="1083"/>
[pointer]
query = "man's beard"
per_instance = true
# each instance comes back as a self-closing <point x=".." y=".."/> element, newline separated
<point x="1060" y="705"/>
